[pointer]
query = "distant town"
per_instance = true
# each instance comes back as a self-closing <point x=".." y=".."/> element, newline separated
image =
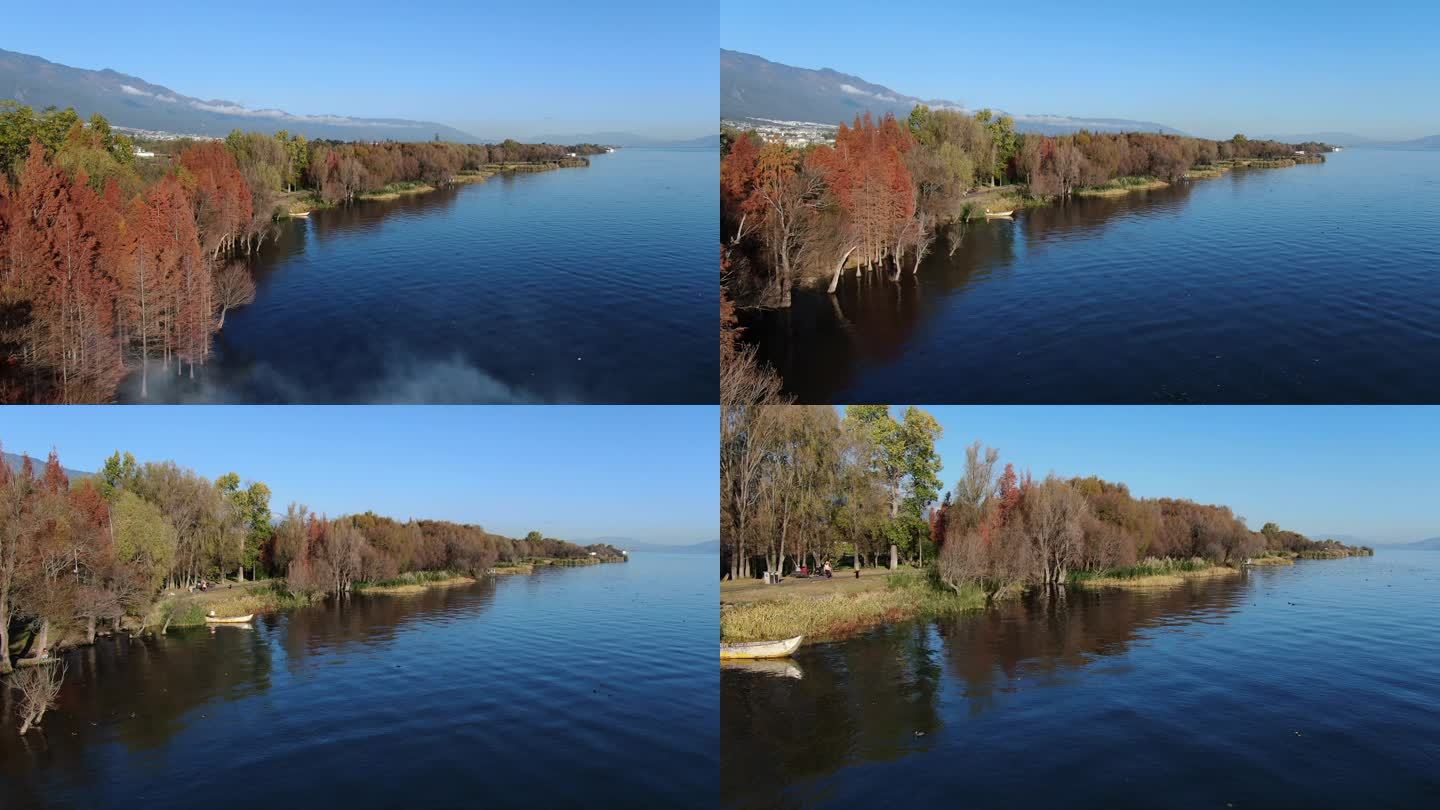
<point x="794" y="134"/>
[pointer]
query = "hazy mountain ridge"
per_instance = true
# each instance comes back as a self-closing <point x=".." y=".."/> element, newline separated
<point x="133" y="102"/>
<point x="15" y="461"/>
<point x="753" y="87"/>
<point x="630" y="139"/>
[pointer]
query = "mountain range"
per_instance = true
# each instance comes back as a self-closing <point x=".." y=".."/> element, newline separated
<point x="630" y="544"/>
<point x="129" y="101"/>
<point x="752" y="87"/>
<point x="1351" y="139"/>
<point x="1428" y="544"/>
<point x="14" y="461"/>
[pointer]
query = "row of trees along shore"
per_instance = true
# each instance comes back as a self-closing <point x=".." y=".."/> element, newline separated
<point x="803" y="484"/>
<point x="108" y="261"/>
<point x="878" y="196"/>
<point x="86" y="556"/>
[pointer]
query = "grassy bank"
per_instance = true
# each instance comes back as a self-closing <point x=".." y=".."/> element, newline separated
<point x="1121" y="186"/>
<point x="1275" y="558"/>
<point x="823" y="610"/>
<point x="1151" y="573"/>
<point x="414" y="582"/>
<point x="182" y="609"/>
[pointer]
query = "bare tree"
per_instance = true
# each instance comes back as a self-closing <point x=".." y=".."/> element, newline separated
<point x="1053" y="518"/>
<point x="38" y="687"/>
<point x="234" y="287"/>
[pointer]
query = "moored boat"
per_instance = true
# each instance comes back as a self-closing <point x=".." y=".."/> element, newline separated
<point x="761" y="649"/>
<point x="996" y="214"/>
<point x="230" y="619"/>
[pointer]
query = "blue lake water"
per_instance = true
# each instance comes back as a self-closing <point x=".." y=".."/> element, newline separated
<point x="1304" y="686"/>
<point x="570" y="687"/>
<point x="583" y="285"/>
<point x="1314" y="283"/>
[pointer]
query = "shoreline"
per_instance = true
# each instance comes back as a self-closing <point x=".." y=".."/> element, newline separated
<point x="188" y="610"/>
<point x="843" y="607"/>
<point x="302" y="203"/>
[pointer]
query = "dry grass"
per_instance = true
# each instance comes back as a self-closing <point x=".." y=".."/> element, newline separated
<point x="1277" y="559"/>
<point x="184" y="609"/>
<point x="1121" y="186"/>
<point x="1158" y="580"/>
<point x="417" y="586"/>
<point x="823" y="609"/>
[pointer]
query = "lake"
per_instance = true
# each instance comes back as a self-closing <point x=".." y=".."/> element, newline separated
<point x="566" y="688"/>
<point x="1304" y="686"/>
<point x="581" y="285"/>
<point x="1314" y="283"/>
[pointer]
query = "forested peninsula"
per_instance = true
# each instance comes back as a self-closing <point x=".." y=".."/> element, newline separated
<point x="144" y="547"/>
<point x="878" y="197"/>
<point x="116" y="258"/>
<point x="802" y="485"/>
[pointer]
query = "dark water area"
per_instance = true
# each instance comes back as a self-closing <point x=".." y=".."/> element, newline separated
<point x="581" y="285"/>
<point x="1304" y="686"/>
<point x="1314" y="283"/>
<point x="569" y="687"/>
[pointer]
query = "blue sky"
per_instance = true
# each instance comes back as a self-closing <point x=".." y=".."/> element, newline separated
<point x="1370" y="472"/>
<point x="647" y="473"/>
<point x="493" y="69"/>
<point x="1210" y="69"/>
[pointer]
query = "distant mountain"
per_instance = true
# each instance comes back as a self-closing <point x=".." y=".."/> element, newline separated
<point x="132" y="102"/>
<point x="627" y="139"/>
<point x="15" y="461"/>
<point x="1426" y="143"/>
<point x="1332" y="138"/>
<point x="752" y="87"/>
<point x="1428" y="544"/>
<point x="705" y="547"/>
<point x="630" y="544"/>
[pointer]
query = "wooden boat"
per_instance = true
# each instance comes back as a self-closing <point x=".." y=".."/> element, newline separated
<point x="299" y="213"/>
<point x="995" y="214"/>
<point x="761" y="649"/>
<point x="230" y="619"/>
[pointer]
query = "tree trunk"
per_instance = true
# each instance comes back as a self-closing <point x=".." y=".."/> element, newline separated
<point x="43" y="640"/>
<point x="840" y="266"/>
<point x="5" y="667"/>
<point x="893" y="559"/>
<point x="90" y="629"/>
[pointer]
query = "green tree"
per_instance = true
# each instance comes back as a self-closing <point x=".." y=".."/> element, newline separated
<point x="143" y="537"/>
<point x="120" y="473"/>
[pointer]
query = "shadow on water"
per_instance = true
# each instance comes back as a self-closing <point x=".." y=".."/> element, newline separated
<point x="882" y="696"/>
<point x="1294" y="285"/>
<point x="143" y="694"/>
<point x="823" y="341"/>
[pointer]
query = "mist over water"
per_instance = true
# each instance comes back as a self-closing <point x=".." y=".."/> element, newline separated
<point x="1303" y="686"/>
<point x="1314" y="283"/>
<point x="576" y="285"/>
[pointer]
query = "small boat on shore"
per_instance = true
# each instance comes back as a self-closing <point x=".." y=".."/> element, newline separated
<point x="761" y="649"/>
<point x="299" y="213"/>
<point x="998" y="214"/>
<point x="230" y="619"/>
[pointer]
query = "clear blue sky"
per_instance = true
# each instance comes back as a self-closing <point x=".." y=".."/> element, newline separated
<point x="647" y="473"/>
<point x="1210" y="69"/>
<point x="493" y="69"/>
<point x="1370" y="472"/>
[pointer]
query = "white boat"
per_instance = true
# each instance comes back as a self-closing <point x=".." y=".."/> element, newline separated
<point x="761" y="649"/>
<point x="299" y="213"/>
<point x="230" y="619"/>
<point x="997" y="214"/>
